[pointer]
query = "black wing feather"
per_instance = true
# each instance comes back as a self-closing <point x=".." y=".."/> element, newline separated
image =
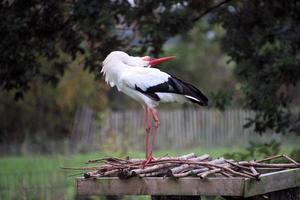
<point x="176" y="86"/>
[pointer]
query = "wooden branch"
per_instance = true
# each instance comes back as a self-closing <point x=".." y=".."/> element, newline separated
<point x="186" y="165"/>
<point x="290" y="159"/>
<point x="269" y="158"/>
<point x="254" y="164"/>
<point x="237" y="165"/>
<point x="253" y="170"/>
<point x="205" y="174"/>
<point x="151" y="169"/>
<point x="183" y="167"/>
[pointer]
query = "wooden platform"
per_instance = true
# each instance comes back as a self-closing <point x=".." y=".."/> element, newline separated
<point x="214" y="186"/>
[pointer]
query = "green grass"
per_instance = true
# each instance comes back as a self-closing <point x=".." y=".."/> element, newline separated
<point x="41" y="177"/>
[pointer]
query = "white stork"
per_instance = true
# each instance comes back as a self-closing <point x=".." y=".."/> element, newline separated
<point x="149" y="86"/>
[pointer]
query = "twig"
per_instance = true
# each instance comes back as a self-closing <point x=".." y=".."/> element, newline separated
<point x="205" y="174"/>
<point x="186" y="165"/>
<point x="183" y="167"/>
<point x="237" y="165"/>
<point x="253" y="170"/>
<point x="292" y="160"/>
<point x="269" y="158"/>
<point x="254" y="164"/>
<point x="151" y="169"/>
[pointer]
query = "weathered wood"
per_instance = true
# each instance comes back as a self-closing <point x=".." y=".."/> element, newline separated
<point x="160" y="186"/>
<point x="214" y="186"/>
<point x="274" y="181"/>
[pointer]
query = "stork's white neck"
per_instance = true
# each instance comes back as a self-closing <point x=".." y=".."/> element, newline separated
<point x="112" y="71"/>
<point x="118" y="62"/>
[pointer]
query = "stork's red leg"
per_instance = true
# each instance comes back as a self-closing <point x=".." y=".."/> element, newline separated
<point x="148" y="127"/>
<point x="154" y="131"/>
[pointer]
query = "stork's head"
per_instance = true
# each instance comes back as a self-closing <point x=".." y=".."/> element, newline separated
<point x="132" y="61"/>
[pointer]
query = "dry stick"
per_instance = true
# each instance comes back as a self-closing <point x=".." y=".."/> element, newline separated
<point x="226" y="174"/>
<point x="205" y="174"/>
<point x="178" y="169"/>
<point x="239" y="173"/>
<point x="186" y="162"/>
<point x="254" y="164"/>
<point x="237" y="165"/>
<point x="256" y="176"/>
<point x="151" y="169"/>
<point x="183" y="167"/>
<point x="199" y="170"/>
<point x="253" y="170"/>
<point x="183" y="157"/>
<point x="91" y="174"/>
<point x="115" y="171"/>
<point x="269" y="158"/>
<point x="105" y="159"/>
<point x="188" y="156"/>
<point x="227" y="168"/>
<point x="191" y="172"/>
<point x="136" y="160"/>
<point x="180" y="175"/>
<point x="270" y="168"/>
<point x="290" y="159"/>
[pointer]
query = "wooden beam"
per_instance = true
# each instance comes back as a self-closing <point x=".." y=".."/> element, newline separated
<point x="271" y="182"/>
<point x="160" y="186"/>
<point x="212" y="186"/>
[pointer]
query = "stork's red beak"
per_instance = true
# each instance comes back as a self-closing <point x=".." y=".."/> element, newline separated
<point x="155" y="61"/>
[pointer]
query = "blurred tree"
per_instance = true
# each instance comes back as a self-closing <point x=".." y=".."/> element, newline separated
<point x="199" y="60"/>
<point x="36" y="117"/>
<point x="38" y="28"/>
<point x="262" y="37"/>
<point x="41" y="39"/>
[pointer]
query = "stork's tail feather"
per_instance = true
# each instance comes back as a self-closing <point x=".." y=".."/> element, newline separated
<point x="190" y="92"/>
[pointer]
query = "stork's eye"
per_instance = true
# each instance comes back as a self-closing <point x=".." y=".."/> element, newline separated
<point x="146" y="58"/>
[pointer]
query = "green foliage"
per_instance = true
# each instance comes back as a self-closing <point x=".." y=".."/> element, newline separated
<point x="262" y="37"/>
<point x="256" y="150"/>
<point x="47" y="112"/>
<point x="36" y="29"/>
<point x="29" y="30"/>
<point x="295" y="154"/>
<point x="221" y="99"/>
<point x="200" y="60"/>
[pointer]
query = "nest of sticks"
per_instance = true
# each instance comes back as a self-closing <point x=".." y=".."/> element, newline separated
<point x="187" y="165"/>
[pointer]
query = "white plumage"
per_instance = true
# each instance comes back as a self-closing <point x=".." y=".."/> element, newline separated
<point x="128" y="72"/>
<point x="135" y="77"/>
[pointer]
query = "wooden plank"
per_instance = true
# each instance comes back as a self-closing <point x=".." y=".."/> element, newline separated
<point x="217" y="186"/>
<point x="272" y="182"/>
<point x="160" y="186"/>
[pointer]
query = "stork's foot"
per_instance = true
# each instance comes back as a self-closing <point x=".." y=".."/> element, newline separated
<point x="146" y="161"/>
